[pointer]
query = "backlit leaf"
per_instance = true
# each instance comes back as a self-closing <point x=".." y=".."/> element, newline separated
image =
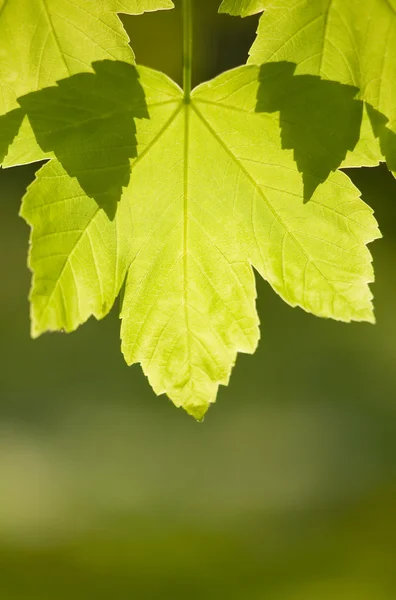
<point x="42" y="41"/>
<point x="243" y="8"/>
<point x="179" y="201"/>
<point x="352" y="42"/>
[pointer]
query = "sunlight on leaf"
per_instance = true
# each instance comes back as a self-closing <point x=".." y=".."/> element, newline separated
<point x="58" y="38"/>
<point x="351" y="42"/>
<point x="243" y="8"/>
<point x="211" y="194"/>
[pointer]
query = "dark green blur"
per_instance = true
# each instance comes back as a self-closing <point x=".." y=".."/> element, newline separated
<point x="287" y="491"/>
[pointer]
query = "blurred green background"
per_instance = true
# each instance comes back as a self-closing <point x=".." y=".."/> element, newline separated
<point x="287" y="491"/>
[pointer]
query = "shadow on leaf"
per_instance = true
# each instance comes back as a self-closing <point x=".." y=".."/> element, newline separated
<point x="88" y="121"/>
<point x="320" y="120"/>
<point x="9" y="127"/>
<point x="386" y="137"/>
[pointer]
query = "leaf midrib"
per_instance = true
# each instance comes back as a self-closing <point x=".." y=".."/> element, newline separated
<point x="188" y="107"/>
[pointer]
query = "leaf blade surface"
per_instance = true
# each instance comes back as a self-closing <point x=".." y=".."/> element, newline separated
<point x="351" y="42"/>
<point x="243" y="8"/>
<point x="212" y="194"/>
<point x="60" y="38"/>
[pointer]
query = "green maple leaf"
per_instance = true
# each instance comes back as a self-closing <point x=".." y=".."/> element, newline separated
<point x="59" y="38"/>
<point x="351" y="42"/>
<point x="173" y="201"/>
<point x="243" y="8"/>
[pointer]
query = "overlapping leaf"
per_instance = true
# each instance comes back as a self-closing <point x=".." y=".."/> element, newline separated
<point x="351" y="42"/>
<point x="42" y="41"/>
<point x="210" y="194"/>
<point x="243" y="8"/>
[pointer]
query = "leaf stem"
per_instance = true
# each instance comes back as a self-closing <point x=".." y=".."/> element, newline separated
<point x="187" y="48"/>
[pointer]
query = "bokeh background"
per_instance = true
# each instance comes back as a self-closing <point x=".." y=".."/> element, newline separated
<point x="287" y="491"/>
